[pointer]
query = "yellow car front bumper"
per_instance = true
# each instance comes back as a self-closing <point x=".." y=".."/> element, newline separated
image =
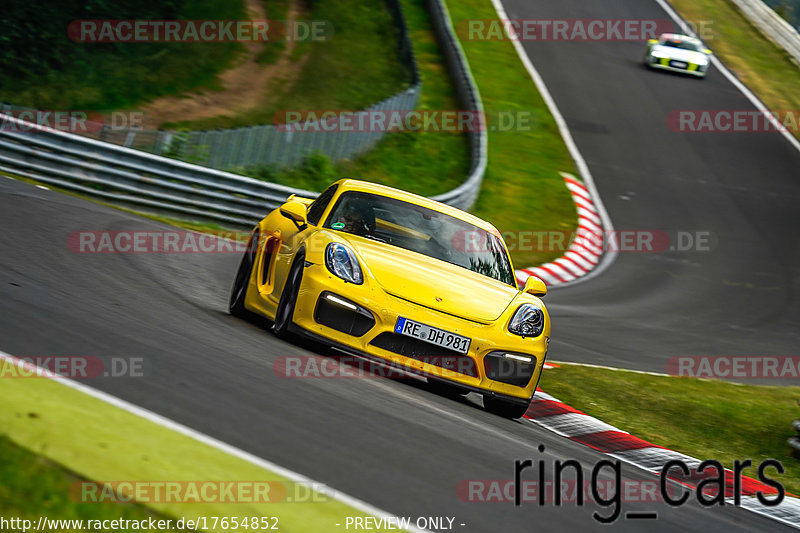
<point x="381" y="342"/>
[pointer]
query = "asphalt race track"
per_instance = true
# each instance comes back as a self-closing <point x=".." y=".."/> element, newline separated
<point x="738" y="299"/>
<point x="395" y="444"/>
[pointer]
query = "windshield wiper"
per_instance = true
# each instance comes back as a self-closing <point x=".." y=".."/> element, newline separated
<point x="374" y="238"/>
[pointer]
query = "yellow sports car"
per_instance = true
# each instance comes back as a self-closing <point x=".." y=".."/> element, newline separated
<point x="403" y="280"/>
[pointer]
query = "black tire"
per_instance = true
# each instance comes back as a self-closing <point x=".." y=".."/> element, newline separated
<point x="239" y="290"/>
<point x="504" y="408"/>
<point x="444" y="388"/>
<point x="285" y="311"/>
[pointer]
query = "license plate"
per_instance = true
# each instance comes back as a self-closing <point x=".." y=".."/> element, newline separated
<point x="678" y="64"/>
<point x="436" y="336"/>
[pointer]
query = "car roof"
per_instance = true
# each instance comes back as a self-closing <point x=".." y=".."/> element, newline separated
<point x="678" y="37"/>
<point x="383" y="190"/>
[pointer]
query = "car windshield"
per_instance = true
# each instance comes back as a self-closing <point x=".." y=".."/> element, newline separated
<point x="683" y="45"/>
<point x="422" y="230"/>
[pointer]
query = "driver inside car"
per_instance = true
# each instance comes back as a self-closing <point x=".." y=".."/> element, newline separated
<point x="354" y="219"/>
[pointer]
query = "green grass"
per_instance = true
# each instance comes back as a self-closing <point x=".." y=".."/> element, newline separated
<point x="111" y="76"/>
<point x="425" y="162"/>
<point x="275" y="10"/>
<point x="101" y="442"/>
<point x="33" y="486"/>
<point x="706" y="419"/>
<point x="761" y="65"/>
<point x="356" y="67"/>
<point x="522" y="190"/>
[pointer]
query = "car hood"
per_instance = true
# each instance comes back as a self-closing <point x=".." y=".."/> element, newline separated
<point x="698" y="58"/>
<point x="433" y="283"/>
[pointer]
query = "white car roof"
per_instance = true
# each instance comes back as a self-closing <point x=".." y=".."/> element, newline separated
<point x="678" y="37"/>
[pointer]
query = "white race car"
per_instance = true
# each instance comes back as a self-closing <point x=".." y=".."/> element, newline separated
<point x="679" y="53"/>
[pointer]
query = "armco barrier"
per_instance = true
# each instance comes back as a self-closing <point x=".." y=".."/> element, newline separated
<point x="130" y="177"/>
<point x="155" y="183"/>
<point x="463" y="196"/>
<point x="772" y="26"/>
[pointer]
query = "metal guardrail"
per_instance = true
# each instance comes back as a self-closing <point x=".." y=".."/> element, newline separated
<point x="131" y="177"/>
<point x="155" y="183"/>
<point x="772" y="26"/>
<point x="464" y="195"/>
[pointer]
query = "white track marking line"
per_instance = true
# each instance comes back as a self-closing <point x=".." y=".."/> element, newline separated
<point x="580" y="162"/>
<point x="660" y="374"/>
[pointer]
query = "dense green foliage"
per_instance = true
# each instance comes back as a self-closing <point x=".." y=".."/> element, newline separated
<point x="40" y="66"/>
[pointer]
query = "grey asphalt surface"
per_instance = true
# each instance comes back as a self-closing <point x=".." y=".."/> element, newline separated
<point x="395" y="444"/>
<point x="738" y="299"/>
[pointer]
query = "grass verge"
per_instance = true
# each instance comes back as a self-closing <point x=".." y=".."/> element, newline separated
<point x="34" y="486"/>
<point x="57" y="73"/>
<point x="522" y="190"/>
<point x="707" y="419"/>
<point x="425" y="162"/>
<point x="110" y="444"/>
<point x="275" y="10"/>
<point x="761" y="65"/>
<point x="355" y="68"/>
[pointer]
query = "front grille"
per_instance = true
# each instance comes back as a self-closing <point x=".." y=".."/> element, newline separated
<point x="426" y="352"/>
<point x="508" y="371"/>
<point x="355" y="322"/>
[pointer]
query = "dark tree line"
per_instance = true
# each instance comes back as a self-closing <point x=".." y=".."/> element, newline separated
<point x="33" y="33"/>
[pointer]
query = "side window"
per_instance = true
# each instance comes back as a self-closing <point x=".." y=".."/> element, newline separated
<point x="318" y="207"/>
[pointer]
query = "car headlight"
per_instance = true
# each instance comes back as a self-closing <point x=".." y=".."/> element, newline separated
<point x="342" y="262"/>
<point x="528" y="321"/>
